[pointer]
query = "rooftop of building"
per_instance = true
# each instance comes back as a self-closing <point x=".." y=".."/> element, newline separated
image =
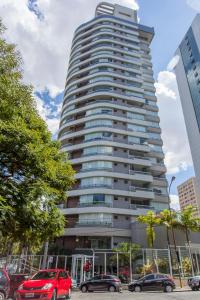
<point x="122" y="13"/>
<point x="188" y="181"/>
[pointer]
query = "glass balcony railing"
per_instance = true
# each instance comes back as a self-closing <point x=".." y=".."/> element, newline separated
<point x="106" y="223"/>
<point x="95" y="204"/>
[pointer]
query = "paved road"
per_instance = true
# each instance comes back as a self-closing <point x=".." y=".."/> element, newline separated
<point x="125" y="295"/>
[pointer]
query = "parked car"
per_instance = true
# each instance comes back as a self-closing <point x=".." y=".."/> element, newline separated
<point x="101" y="283"/>
<point x="152" y="282"/>
<point x="15" y="281"/>
<point x="46" y="284"/>
<point x="4" y="284"/>
<point x="194" y="283"/>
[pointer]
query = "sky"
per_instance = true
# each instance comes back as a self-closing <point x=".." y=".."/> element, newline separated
<point x="43" y="31"/>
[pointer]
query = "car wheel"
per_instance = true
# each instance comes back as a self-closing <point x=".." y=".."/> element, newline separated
<point x="168" y="289"/>
<point x="138" y="289"/>
<point x="112" y="289"/>
<point x="84" y="289"/>
<point x="2" y="296"/>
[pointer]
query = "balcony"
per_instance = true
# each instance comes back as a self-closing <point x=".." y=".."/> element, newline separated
<point x="89" y="223"/>
<point x="95" y="204"/>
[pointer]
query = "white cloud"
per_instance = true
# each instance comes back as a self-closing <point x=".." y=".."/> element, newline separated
<point x="175" y="202"/>
<point x="195" y="4"/>
<point x="176" y="145"/>
<point x="52" y="120"/>
<point x="45" y="44"/>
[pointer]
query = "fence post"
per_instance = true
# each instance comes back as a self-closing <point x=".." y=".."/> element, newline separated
<point x="65" y="263"/>
<point x="197" y="262"/>
<point x="93" y="260"/>
<point x="117" y="264"/>
<point x="105" y="263"/>
<point x="170" y="262"/>
<point x="131" y="275"/>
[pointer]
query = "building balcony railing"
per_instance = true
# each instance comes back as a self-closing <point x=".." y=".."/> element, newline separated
<point x="95" y="204"/>
<point x="106" y="139"/>
<point x="130" y="172"/>
<point x="136" y="206"/>
<point x="94" y="223"/>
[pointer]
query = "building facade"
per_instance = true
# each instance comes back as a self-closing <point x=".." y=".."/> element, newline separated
<point x="188" y="194"/>
<point x="188" y="77"/>
<point x="110" y="129"/>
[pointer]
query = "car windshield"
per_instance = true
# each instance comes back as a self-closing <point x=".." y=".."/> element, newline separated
<point x="44" y="275"/>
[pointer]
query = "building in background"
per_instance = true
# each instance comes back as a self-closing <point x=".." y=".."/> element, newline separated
<point x="188" y="194"/>
<point x="110" y="129"/>
<point x="188" y="77"/>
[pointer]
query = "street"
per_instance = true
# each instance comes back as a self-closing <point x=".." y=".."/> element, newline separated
<point x="177" y="295"/>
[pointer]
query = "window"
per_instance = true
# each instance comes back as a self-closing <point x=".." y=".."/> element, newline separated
<point x="136" y="128"/>
<point x="115" y="198"/>
<point x="97" y="165"/>
<point x="115" y="217"/>
<point x="96" y="181"/>
<point x="99" y="122"/>
<point x="98" y="150"/>
<point x="149" y="277"/>
<point x="131" y="115"/>
<point x="62" y="274"/>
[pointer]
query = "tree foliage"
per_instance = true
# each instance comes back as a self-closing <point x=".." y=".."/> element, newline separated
<point x="150" y="220"/>
<point x="125" y="250"/>
<point x="34" y="174"/>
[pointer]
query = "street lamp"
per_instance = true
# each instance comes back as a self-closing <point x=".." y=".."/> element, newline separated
<point x="173" y="233"/>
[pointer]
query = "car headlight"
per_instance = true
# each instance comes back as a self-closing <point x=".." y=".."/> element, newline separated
<point x="20" y="287"/>
<point x="47" y="286"/>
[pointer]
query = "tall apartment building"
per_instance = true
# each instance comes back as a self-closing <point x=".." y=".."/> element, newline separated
<point x="188" y="77"/>
<point x="110" y="129"/>
<point x="188" y="194"/>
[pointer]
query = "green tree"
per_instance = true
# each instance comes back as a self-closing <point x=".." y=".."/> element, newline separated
<point x="125" y="249"/>
<point x="188" y="222"/>
<point x="167" y="218"/>
<point x="34" y="174"/>
<point x="150" y="220"/>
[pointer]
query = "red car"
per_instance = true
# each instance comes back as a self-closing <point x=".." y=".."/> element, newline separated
<point x="48" y="284"/>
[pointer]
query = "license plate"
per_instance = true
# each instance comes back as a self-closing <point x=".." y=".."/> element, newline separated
<point x="29" y="295"/>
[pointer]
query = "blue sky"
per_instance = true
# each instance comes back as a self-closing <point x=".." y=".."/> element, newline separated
<point x="43" y="30"/>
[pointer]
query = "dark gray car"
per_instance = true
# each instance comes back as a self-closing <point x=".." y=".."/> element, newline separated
<point x="153" y="282"/>
<point x="101" y="283"/>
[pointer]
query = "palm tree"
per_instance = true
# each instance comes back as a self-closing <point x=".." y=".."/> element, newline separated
<point x="150" y="220"/>
<point x="188" y="222"/>
<point x="167" y="218"/>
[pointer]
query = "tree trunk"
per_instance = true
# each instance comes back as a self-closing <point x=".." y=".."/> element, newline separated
<point x="189" y="248"/>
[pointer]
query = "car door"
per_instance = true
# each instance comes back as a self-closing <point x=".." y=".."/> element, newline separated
<point x="149" y="283"/>
<point x="159" y="281"/>
<point x="95" y="283"/>
<point x="61" y="283"/>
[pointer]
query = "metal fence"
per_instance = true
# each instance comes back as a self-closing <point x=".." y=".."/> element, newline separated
<point x="128" y="266"/>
